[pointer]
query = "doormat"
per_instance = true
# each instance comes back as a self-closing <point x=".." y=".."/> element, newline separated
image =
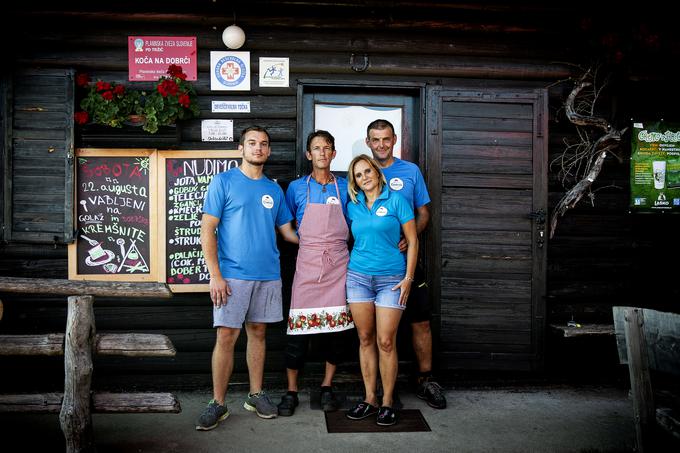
<point x="409" y="420"/>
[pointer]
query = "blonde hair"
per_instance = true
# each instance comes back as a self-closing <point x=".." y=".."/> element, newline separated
<point x="352" y="187"/>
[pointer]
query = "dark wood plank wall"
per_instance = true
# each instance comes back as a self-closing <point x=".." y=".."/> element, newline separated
<point x="592" y="261"/>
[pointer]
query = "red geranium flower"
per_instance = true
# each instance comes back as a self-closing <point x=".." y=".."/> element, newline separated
<point x="82" y="79"/>
<point x="81" y="117"/>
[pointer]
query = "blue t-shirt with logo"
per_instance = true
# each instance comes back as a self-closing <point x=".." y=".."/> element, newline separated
<point x="249" y="211"/>
<point x="377" y="232"/>
<point x="405" y="178"/>
<point x="296" y="195"/>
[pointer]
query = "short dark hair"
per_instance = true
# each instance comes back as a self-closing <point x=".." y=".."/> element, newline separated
<point x="380" y="125"/>
<point x="323" y="134"/>
<point x="242" y="139"/>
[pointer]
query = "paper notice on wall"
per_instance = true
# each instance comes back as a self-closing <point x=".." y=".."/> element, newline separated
<point x="217" y="130"/>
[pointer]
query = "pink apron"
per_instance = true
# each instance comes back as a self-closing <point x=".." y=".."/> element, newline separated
<point x="318" y="302"/>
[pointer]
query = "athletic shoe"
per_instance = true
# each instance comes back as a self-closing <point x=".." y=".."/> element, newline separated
<point x="361" y="411"/>
<point x="261" y="404"/>
<point x="211" y="416"/>
<point x="386" y="416"/>
<point x="328" y="401"/>
<point x="432" y="393"/>
<point x="288" y="404"/>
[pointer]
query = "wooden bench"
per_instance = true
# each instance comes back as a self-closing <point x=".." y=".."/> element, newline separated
<point x="77" y="345"/>
<point x="649" y="340"/>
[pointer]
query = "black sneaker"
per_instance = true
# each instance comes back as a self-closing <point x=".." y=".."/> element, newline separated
<point x="288" y="404"/>
<point x="361" y="411"/>
<point x="432" y="393"/>
<point x="386" y="416"/>
<point x="328" y="401"/>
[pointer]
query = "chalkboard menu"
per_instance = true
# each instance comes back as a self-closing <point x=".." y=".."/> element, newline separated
<point x="115" y="216"/>
<point x="183" y="181"/>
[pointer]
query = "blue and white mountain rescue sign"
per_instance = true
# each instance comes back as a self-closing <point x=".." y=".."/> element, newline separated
<point x="230" y="71"/>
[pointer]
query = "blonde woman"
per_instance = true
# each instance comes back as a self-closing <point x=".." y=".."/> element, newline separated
<point x="379" y="279"/>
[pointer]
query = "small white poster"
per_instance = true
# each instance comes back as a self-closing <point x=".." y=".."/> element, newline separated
<point x="273" y="72"/>
<point x="230" y="71"/>
<point x="230" y="106"/>
<point x="217" y="130"/>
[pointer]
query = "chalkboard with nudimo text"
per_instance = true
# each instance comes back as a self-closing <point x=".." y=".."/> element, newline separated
<point x="184" y="177"/>
<point x="115" y="210"/>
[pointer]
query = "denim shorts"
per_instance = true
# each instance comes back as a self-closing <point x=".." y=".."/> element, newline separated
<point x="374" y="288"/>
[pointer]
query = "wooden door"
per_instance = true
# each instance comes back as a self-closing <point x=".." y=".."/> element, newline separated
<point x="487" y="172"/>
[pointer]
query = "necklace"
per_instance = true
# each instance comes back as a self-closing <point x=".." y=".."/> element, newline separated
<point x="323" y="185"/>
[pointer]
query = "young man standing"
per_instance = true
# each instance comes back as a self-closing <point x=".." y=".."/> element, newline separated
<point x="405" y="178"/>
<point x="244" y="208"/>
<point x="318" y="307"/>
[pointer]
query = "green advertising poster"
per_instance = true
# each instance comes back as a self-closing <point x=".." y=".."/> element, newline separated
<point x="655" y="167"/>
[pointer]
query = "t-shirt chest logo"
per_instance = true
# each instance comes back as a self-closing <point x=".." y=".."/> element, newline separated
<point x="267" y="201"/>
<point x="332" y="200"/>
<point x="381" y="211"/>
<point x="396" y="184"/>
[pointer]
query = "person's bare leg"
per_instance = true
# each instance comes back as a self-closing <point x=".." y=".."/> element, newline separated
<point x="255" y="353"/>
<point x="292" y="376"/>
<point x="328" y="375"/>
<point x="223" y="361"/>
<point x="364" y="321"/>
<point x="422" y="345"/>
<point x="387" y="322"/>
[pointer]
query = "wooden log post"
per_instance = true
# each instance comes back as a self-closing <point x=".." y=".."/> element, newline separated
<point x="75" y="415"/>
<point x="640" y="381"/>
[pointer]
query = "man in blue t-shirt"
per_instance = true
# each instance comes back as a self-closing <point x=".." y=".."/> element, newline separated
<point x="406" y="179"/>
<point x="242" y="210"/>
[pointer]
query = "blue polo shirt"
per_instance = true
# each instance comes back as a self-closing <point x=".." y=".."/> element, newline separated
<point x="249" y="211"/>
<point x="377" y="232"/>
<point x="296" y="195"/>
<point x="405" y="178"/>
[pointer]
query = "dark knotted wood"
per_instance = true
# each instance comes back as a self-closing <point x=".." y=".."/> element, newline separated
<point x="75" y="415"/>
<point x="124" y="344"/>
<point x="70" y="287"/>
<point x="101" y="403"/>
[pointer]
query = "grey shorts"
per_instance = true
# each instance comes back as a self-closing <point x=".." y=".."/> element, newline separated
<point x="251" y="301"/>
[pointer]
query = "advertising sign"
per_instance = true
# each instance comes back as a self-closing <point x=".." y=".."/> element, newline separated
<point x="150" y="56"/>
<point x="655" y="167"/>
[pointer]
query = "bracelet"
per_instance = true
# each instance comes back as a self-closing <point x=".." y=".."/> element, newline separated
<point x="406" y="277"/>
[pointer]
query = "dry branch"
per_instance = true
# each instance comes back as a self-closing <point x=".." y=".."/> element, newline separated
<point x="593" y="155"/>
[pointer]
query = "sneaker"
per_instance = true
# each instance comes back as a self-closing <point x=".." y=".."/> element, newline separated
<point x="386" y="416"/>
<point x="432" y="393"/>
<point x="261" y="404"/>
<point x="328" y="401"/>
<point x="361" y="411"/>
<point x="211" y="416"/>
<point x="288" y="404"/>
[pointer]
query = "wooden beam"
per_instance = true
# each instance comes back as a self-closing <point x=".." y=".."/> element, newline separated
<point x="101" y="403"/>
<point x="37" y="402"/>
<point x="71" y="287"/>
<point x="136" y="402"/>
<point x="75" y="415"/>
<point x="134" y="345"/>
<point x="640" y="382"/>
<point x="125" y="344"/>
<point x="49" y="344"/>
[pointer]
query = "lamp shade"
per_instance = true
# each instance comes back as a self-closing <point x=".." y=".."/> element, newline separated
<point x="233" y="36"/>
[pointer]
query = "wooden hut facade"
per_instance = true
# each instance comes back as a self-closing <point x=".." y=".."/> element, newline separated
<point x="483" y="85"/>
